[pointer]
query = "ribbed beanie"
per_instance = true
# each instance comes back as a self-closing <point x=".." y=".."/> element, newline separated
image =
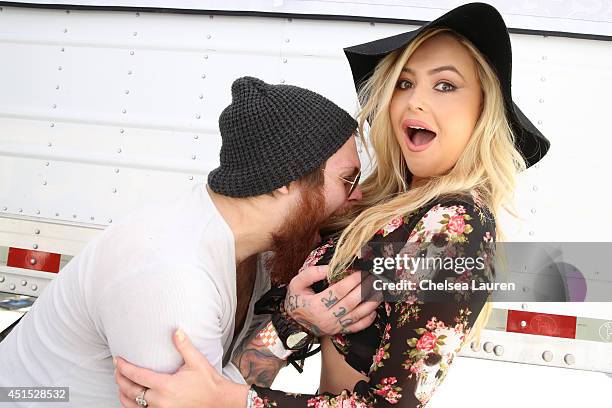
<point x="273" y="135"/>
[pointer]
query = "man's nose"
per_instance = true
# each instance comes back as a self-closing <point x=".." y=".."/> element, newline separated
<point x="356" y="195"/>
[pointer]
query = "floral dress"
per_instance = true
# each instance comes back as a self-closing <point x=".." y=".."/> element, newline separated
<point x="407" y="351"/>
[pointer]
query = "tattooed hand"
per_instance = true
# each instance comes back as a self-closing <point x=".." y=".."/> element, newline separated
<point x="339" y="308"/>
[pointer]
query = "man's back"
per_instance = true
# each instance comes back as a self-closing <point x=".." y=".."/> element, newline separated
<point x="159" y="269"/>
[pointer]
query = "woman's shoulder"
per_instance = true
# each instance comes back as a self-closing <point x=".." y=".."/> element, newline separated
<point x="452" y="213"/>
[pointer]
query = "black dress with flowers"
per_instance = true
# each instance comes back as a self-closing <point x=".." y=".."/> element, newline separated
<point x="407" y="351"/>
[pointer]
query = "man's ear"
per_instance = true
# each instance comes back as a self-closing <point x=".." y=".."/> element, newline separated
<point x="284" y="190"/>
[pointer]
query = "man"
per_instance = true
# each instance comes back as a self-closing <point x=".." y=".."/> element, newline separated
<point x="286" y="156"/>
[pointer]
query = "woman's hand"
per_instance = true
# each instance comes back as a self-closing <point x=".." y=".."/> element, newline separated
<point x="196" y="384"/>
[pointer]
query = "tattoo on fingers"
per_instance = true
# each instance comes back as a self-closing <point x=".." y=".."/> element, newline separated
<point x="330" y="300"/>
<point x="341" y="312"/>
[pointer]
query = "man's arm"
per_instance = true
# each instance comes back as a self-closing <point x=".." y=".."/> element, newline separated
<point x="138" y="315"/>
<point x="256" y="361"/>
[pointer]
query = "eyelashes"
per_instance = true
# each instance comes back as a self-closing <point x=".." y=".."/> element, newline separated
<point x="442" y="86"/>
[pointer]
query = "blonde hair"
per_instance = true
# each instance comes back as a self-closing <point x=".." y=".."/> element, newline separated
<point x="487" y="166"/>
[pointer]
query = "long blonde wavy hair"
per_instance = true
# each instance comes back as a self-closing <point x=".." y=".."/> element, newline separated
<point x="488" y="165"/>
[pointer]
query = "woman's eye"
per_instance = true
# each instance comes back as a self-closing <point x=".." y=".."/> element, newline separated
<point x="445" y="87"/>
<point x="403" y="84"/>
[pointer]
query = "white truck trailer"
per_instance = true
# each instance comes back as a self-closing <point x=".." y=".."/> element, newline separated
<point x="108" y="105"/>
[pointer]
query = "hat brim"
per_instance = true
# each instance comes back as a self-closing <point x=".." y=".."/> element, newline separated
<point x="482" y="25"/>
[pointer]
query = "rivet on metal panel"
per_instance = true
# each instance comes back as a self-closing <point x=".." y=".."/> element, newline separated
<point x="198" y="116"/>
<point x="21" y="210"/>
<point x="1" y="279"/>
<point x="208" y="36"/>
<point x="62" y="49"/>
<point x="24" y="283"/>
<point x="531" y="233"/>
<point x="372" y="24"/>
<point x="201" y="96"/>
<point x="59" y="68"/>
<point x="123" y="110"/>
<point x="523" y="323"/>
<point x="475" y="346"/>
<point x="543" y="79"/>
<point x="190" y="177"/>
<point x="195" y="137"/>
<point x="131" y="52"/>
<point x="116" y="170"/>
<point x="52" y="125"/>
<point x="569" y="359"/>
<point x="205" y="56"/>
<point x="65" y="30"/>
<point x="12" y="287"/>
<point x="534" y="188"/>
<point x="282" y="81"/>
<point x="488" y="347"/>
<point x="203" y="76"/>
<point x="121" y="130"/>
<point x="547" y="356"/>
<point x="110" y="220"/>
<point x="287" y="40"/>
<point x="37" y="211"/>
<point x="57" y="87"/>
<point x="4" y="208"/>
<point x="32" y="261"/>
<point x="130" y="72"/>
<point x="34" y="287"/>
<point x="47" y="164"/>
<point x="127" y="91"/>
<point x="57" y="214"/>
<point x="284" y="60"/>
<point x="35" y="246"/>
<point x="533" y="210"/>
<point x="541" y="100"/>
<point x="498" y="350"/>
<point x="92" y="218"/>
<point x="544" y="57"/>
<point x="539" y="122"/>
<point x="37" y="231"/>
<point x="54" y="106"/>
<point x="114" y="190"/>
<point x="119" y="150"/>
<point x="74" y="215"/>
<point x="44" y="183"/>
<point x="135" y="33"/>
<point x="193" y="157"/>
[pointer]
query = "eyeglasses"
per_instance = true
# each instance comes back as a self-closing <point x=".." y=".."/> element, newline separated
<point x="350" y="185"/>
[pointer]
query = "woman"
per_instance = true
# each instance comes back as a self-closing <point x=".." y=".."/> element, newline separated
<point x="448" y="142"/>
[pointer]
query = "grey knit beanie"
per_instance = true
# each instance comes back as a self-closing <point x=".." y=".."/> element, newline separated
<point x="273" y="135"/>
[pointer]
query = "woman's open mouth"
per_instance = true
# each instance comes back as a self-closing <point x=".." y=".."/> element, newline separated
<point x="418" y="136"/>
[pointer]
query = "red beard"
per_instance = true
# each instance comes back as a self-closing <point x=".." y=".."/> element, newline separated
<point x="297" y="237"/>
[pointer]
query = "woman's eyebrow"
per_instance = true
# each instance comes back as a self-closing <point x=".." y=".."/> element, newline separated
<point x="436" y="70"/>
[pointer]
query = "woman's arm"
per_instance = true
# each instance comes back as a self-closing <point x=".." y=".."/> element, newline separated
<point x="420" y="338"/>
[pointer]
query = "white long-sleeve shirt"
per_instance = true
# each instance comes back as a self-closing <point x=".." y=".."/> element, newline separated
<point x="124" y="295"/>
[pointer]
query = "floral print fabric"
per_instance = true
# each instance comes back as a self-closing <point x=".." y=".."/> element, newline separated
<point x="412" y="343"/>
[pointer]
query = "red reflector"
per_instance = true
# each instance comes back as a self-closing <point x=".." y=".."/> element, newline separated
<point x="35" y="260"/>
<point x="542" y="324"/>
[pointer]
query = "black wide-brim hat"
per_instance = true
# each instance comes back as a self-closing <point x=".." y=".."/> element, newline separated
<point x="483" y="25"/>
